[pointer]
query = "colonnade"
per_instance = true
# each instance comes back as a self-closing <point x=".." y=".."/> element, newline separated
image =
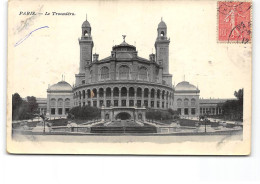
<point x="124" y="97"/>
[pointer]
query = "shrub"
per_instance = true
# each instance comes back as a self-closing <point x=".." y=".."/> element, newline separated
<point x="58" y="122"/>
<point x="173" y="112"/>
<point x="158" y="114"/>
<point x="187" y="122"/>
<point x="85" y="112"/>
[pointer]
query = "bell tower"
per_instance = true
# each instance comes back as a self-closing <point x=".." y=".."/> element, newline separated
<point x="86" y="46"/>
<point x="162" y="52"/>
<point x="162" y="47"/>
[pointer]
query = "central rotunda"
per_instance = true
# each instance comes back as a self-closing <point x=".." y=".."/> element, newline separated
<point x="123" y="84"/>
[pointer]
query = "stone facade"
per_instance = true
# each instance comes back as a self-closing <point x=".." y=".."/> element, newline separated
<point x="123" y="79"/>
<point x="123" y="84"/>
<point x="212" y="106"/>
<point x="42" y="108"/>
<point x="59" y="100"/>
<point x="186" y="99"/>
<point x="206" y="106"/>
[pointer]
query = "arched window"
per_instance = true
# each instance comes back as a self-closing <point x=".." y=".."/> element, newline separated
<point x="53" y="102"/>
<point x="142" y="73"/>
<point x="146" y="91"/>
<point x="67" y="102"/>
<point x="89" y="93"/>
<point x="152" y="93"/>
<point x="131" y="92"/>
<point x="86" y="33"/>
<point x="186" y="102"/>
<point x="124" y="72"/>
<point x="179" y="101"/>
<point x="94" y="93"/>
<point x="163" y="94"/>
<point x="139" y="92"/>
<point x="162" y="33"/>
<point x="193" y="102"/>
<point x="116" y="91"/>
<point x="108" y="92"/>
<point x="158" y="94"/>
<point x="104" y="73"/>
<point x="60" y="102"/>
<point x="79" y="95"/>
<point x="123" y="91"/>
<point x="83" y="94"/>
<point x="101" y="92"/>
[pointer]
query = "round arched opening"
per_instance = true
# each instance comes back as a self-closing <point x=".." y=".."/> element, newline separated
<point x="107" y="117"/>
<point x="162" y="33"/>
<point x="86" y="33"/>
<point x="123" y="116"/>
<point x="140" y="117"/>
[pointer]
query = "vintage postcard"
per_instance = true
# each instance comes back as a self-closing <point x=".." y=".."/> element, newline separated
<point x="129" y="77"/>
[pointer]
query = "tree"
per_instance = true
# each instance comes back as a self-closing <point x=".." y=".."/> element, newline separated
<point x="239" y="94"/>
<point x="233" y="109"/>
<point x="16" y="101"/>
<point x="85" y="112"/>
<point x="32" y="104"/>
<point x="158" y="114"/>
<point x="22" y="109"/>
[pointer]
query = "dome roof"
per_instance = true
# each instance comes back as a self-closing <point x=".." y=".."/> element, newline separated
<point x="185" y="86"/>
<point x="86" y="24"/>
<point x="60" y="86"/>
<point x="162" y="24"/>
<point x="123" y="45"/>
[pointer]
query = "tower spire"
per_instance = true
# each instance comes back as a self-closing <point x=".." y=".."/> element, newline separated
<point x="162" y="43"/>
<point x="86" y="16"/>
<point x="86" y="46"/>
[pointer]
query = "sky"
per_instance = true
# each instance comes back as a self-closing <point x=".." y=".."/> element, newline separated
<point x="218" y="69"/>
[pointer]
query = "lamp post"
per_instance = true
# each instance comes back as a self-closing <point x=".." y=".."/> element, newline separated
<point x="206" y="121"/>
<point x="205" y="126"/>
<point x="43" y="126"/>
<point x="43" y="118"/>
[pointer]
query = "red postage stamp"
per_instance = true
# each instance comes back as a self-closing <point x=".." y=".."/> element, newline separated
<point x="234" y="21"/>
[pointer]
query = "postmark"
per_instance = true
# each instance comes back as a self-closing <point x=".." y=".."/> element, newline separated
<point x="234" y="22"/>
